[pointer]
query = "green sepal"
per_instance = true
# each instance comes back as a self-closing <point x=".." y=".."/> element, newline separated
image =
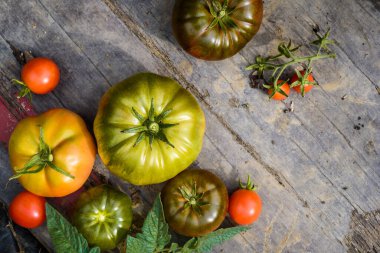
<point x="138" y="115"/>
<point x="136" y="129"/>
<point x="139" y="139"/>
<point x="249" y="185"/>
<point x="151" y="111"/>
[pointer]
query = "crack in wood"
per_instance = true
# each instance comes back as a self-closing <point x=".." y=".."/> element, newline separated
<point x="22" y="56"/>
<point x="158" y="53"/>
<point x="364" y="235"/>
<point x="284" y="242"/>
<point x="269" y="229"/>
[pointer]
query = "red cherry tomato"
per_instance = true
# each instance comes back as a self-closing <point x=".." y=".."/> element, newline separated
<point x="40" y="75"/>
<point x="245" y="205"/>
<point x="277" y="95"/>
<point x="307" y="86"/>
<point x="28" y="210"/>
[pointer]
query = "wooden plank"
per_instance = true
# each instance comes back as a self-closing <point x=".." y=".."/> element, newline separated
<point x="313" y="169"/>
<point x="153" y="18"/>
<point x="78" y="40"/>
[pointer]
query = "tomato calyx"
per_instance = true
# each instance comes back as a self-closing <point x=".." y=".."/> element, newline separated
<point x="248" y="186"/>
<point x="303" y="80"/>
<point x="276" y="88"/>
<point x="42" y="159"/>
<point x="221" y="15"/>
<point x="152" y="126"/>
<point x="25" y="91"/>
<point x="193" y="198"/>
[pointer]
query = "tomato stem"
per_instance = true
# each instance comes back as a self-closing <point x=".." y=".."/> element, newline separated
<point x="267" y="63"/>
<point x="25" y="91"/>
<point x="248" y="186"/>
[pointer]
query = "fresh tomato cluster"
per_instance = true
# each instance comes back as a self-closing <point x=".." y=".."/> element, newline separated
<point x="299" y="82"/>
<point x="148" y="129"/>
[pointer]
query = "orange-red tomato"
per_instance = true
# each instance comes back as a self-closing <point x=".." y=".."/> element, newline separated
<point x="278" y="96"/>
<point x="28" y="210"/>
<point x="307" y="87"/>
<point x="40" y="75"/>
<point x="245" y="206"/>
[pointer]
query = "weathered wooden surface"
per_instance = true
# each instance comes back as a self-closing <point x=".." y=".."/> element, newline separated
<point x="319" y="177"/>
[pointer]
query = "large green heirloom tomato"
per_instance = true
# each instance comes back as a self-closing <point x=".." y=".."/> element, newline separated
<point x="103" y="216"/>
<point x="195" y="202"/>
<point x="148" y="129"/>
<point x="216" y="29"/>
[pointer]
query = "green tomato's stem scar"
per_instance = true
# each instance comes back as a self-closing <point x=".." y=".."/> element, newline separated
<point x="151" y="126"/>
<point x="154" y="127"/>
<point x="43" y="158"/>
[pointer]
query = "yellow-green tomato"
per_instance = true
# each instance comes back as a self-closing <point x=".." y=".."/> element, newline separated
<point x="148" y="129"/>
<point x="103" y="216"/>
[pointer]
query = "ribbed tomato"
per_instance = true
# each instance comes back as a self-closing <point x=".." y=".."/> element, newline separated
<point x="103" y="216"/>
<point x="195" y="202"/>
<point x="52" y="154"/>
<point x="148" y="129"/>
<point x="216" y="29"/>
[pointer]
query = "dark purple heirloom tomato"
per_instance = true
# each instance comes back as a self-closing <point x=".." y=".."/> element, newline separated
<point x="195" y="202"/>
<point x="216" y="29"/>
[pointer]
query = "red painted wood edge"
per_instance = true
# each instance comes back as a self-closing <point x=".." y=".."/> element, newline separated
<point x="8" y="122"/>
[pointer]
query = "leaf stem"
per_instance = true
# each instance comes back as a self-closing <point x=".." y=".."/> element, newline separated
<point x="298" y="60"/>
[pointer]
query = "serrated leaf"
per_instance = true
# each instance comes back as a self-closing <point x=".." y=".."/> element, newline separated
<point x="173" y="247"/>
<point x="94" y="250"/>
<point x="206" y="243"/>
<point x="155" y="231"/>
<point x="135" y="245"/>
<point x="65" y="237"/>
<point x="190" y="245"/>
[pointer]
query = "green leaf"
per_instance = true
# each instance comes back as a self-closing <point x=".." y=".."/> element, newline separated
<point x="94" y="250"/>
<point x="155" y="231"/>
<point x="65" y="237"/>
<point x="206" y="243"/>
<point x="190" y="245"/>
<point x="173" y="247"/>
<point x="135" y="245"/>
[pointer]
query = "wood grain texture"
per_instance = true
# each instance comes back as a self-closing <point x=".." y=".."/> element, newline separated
<point x="313" y="168"/>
